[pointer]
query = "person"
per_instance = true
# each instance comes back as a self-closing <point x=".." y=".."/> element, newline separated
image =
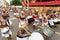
<point x="46" y="28"/>
<point x="45" y="22"/>
<point x="6" y="16"/>
<point x="15" y="12"/>
<point x="5" y="31"/>
<point x="50" y="23"/>
<point x="22" y="19"/>
<point x="25" y="30"/>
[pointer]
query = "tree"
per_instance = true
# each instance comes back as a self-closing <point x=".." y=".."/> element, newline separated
<point x="16" y="2"/>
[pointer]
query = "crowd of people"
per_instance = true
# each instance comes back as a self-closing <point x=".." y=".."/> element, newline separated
<point x="30" y="22"/>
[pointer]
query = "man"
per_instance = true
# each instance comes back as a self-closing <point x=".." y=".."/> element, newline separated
<point x="25" y="30"/>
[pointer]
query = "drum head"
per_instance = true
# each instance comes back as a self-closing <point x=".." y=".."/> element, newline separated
<point x="36" y="36"/>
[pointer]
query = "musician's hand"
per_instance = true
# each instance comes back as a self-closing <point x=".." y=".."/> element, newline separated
<point x="28" y="34"/>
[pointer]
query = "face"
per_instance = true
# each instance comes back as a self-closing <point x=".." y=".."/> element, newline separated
<point x="0" y="23"/>
<point x="3" y="23"/>
<point x="32" y="23"/>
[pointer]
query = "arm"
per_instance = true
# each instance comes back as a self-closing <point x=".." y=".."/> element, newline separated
<point x="20" y="33"/>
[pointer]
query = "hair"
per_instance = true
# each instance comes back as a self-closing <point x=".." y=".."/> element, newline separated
<point x="30" y="20"/>
<point x="54" y="11"/>
<point x="0" y="23"/>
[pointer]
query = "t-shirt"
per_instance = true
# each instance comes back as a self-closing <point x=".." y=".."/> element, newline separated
<point x="51" y="22"/>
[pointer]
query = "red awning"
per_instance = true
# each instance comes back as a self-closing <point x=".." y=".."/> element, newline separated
<point x="23" y="4"/>
<point x="44" y="3"/>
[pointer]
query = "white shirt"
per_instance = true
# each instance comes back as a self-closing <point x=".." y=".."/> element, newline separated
<point x="21" y="23"/>
<point x="51" y="22"/>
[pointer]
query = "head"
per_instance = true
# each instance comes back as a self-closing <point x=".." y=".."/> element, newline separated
<point x="54" y="11"/>
<point x="0" y="22"/>
<point x="31" y="21"/>
<point x="22" y="15"/>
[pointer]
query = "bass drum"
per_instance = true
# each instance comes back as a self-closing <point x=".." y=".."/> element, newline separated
<point x="36" y="36"/>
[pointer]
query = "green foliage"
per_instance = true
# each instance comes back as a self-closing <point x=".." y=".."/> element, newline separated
<point x="16" y="2"/>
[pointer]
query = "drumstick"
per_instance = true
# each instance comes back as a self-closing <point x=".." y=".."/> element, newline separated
<point x="57" y="33"/>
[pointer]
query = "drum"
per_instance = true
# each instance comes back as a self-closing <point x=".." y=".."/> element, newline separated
<point x="36" y="36"/>
<point x="5" y="32"/>
<point x="48" y="31"/>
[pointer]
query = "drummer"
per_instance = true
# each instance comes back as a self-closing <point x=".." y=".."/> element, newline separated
<point x="22" y="18"/>
<point x="5" y="31"/>
<point x="25" y="30"/>
<point x="6" y="16"/>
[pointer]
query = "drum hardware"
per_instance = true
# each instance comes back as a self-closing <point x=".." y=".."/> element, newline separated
<point x="57" y="33"/>
<point x="44" y="35"/>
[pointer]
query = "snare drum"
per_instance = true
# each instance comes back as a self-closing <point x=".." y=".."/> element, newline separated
<point x="36" y="36"/>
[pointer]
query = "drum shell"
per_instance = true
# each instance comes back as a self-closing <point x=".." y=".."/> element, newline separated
<point x="48" y="32"/>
